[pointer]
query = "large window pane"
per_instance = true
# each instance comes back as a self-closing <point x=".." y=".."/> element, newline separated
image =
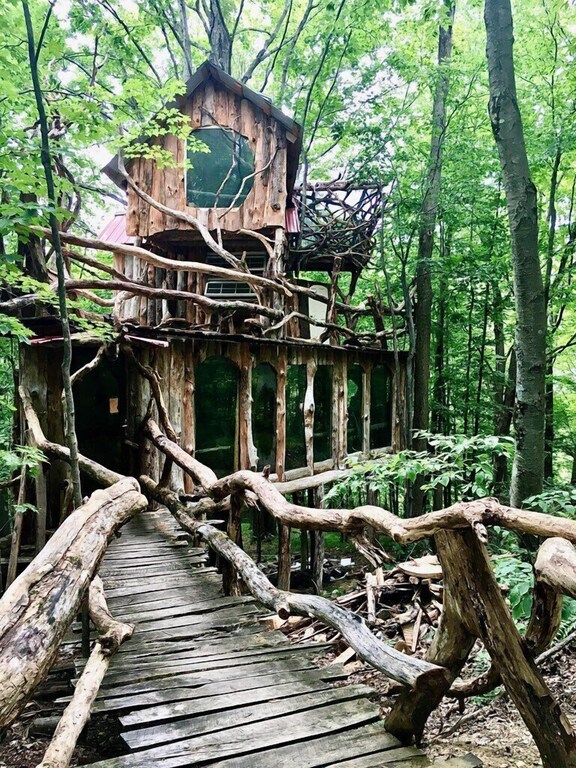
<point x="354" y="406"/>
<point x="264" y="414"/>
<point x="216" y="409"/>
<point x="222" y="176"/>
<point x="323" y="413"/>
<point x="295" y="391"/>
<point x="380" y="407"/>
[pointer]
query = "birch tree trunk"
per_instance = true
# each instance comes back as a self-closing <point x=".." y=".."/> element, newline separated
<point x="529" y="416"/>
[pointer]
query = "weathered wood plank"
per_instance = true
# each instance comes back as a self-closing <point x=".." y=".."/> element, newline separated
<point x="402" y="756"/>
<point x="248" y="637"/>
<point x="197" y="679"/>
<point x="192" y="631"/>
<point x="144" y="567"/>
<point x="182" y="692"/>
<point x="316" y="752"/>
<point x="184" y="608"/>
<point x="192" y="620"/>
<point x="120" y="587"/>
<point x="162" y="668"/>
<point x="273" y="652"/>
<point x="241" y="716"/>
<point x="221" y="702"/>
<point x="250" y="738"/>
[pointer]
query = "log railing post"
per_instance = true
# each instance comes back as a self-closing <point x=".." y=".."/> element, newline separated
<point x="480" y="611"/>
<point x="316" y="500"/>
<point x="284" y="557"/>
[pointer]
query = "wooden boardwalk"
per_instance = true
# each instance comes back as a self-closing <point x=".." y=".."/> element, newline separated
<point x="202" y="682"/>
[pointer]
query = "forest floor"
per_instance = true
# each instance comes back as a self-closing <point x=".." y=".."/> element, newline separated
<point x="490" y="729"/>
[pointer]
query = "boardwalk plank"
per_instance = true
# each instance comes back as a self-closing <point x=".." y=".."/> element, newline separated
<point x="316" y="752"/>
<point x="406" y="757"/>
<point x="181" y="692"/>
<point x="204" y="655"/>
<point x="241" y="716"/>
<point x="247" y="637"/>
<point x="162" y="669"/>
<point x="180" y="609"/>
<point x="200" y="678"/>
<point x="250" y="738"/>
<point x="223" y="701"/>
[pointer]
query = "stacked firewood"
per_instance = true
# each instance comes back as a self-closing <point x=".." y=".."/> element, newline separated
<point x="402" y="605"/>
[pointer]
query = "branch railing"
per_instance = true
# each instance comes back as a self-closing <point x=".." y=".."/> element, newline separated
<point x="473" y="603"/>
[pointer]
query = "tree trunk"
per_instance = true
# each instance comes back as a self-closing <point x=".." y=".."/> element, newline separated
<point x="549" y="429"/>
<point x="220" y="40"/>
<point x="54" y="227"/>
<point x="423" y="309"/>
<point x="481" y="361"/>
<point x="552" y="219"/>
<point x="528" y="469"/>
<point x="38" y="608"/>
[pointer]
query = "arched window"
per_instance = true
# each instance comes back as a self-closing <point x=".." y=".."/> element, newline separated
<point x="295" y="440"/>
<point x="354" y="398"/>
<point x="380" y="407"/>
<point x="323" y="413"/>
<point x="264" y="414"/>
<point x="222" y="174"/>
<point x="216" y="407"/>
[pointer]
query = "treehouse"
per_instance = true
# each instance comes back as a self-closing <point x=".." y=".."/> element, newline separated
<point x="233" y="288"/>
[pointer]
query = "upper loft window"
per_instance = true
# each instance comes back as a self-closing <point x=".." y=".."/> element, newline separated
<point x="224" y="176"/>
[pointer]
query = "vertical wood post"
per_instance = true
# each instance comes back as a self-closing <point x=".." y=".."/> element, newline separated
<point x="366" y="379"/>
<point x="41" y="507"/>
<point x="309" y="408"/>
<point x="230" y="585"/>
<point x="315" y="499"/>
<point x="304" y="540"/>
<point x="281" y="413"/>
<point x="17" y="530"/>
<point x="284" y="557"/>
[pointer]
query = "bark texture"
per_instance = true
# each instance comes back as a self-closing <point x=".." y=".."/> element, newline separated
<point x="423" y="308"/>
<point x="529" y="416"/>
<point x="37" y="609"/>
<point x="76" y="714"/>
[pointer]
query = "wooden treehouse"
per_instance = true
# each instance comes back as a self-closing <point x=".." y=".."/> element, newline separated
<point x="260" y="362"/>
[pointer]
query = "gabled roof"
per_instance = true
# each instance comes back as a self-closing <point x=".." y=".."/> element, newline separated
<point x="209" y="71"/>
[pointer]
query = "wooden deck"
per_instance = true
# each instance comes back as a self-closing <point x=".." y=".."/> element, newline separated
<point x="202" y="682"/>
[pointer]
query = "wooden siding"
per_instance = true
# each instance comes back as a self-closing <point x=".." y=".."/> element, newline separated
<point x="177" y="364"/>
<point x="264" y="207"/>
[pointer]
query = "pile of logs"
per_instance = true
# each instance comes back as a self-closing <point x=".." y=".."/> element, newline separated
<point x="402" y="605"/>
